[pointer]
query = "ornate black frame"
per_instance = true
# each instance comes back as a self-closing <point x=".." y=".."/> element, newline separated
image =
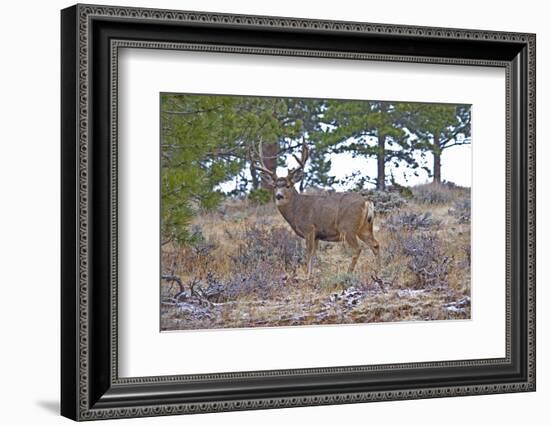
<point x="91" y="37"/>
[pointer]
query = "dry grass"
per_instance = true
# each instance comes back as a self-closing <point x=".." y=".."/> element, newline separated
<point x="248" y="269"/>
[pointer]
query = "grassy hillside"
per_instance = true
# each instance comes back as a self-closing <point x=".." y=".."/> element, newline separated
<point x="247" y="268"/>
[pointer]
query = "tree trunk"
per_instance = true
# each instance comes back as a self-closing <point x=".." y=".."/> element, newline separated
<point x="437" y="160"/>
<point x="270" y="152"/>
<point x="254" y="176"/>
<point x="381" y="161"/>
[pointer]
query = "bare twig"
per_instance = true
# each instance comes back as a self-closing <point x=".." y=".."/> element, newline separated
<point x="174" y="278"/>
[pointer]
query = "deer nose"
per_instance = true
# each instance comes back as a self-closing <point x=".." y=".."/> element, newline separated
<point x="279" y="196"/>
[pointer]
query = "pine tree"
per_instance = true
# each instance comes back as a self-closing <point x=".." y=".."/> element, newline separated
<point x="439" y="127"/>
<point x="207" y="140"/>
<point x="369" y="129"/>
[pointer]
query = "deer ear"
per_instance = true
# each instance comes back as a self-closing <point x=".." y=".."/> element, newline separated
<point x="296" y="175"/>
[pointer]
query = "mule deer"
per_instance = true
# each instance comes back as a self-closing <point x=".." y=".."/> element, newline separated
<point x="332" y="216"/>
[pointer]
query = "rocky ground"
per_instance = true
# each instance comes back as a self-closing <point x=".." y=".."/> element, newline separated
<point x="247" y="268"/>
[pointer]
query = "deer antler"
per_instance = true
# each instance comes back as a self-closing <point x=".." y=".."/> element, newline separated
<point x="302" y="160"/>
<point x="257" y="157"/>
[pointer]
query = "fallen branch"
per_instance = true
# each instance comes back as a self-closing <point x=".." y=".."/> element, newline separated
<point x="173" y="278"/>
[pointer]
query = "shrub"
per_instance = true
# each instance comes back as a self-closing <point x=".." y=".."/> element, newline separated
<point x="434" y="193"/>
<point x="402" y="190"/>
<point x="261" y="282"/>
<point x="411" y="220"/>
<point x="384" y="201"/>
<point x="426" y="260"/>
<point x="277" y="245"/>
<point x="341" y="280"/>
<point x="259" y="196"/>
<point x="461" y="210"/>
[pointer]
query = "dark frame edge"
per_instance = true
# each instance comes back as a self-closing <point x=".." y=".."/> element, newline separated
<point x="89" y="402"/>
<point x="69" y="188"/>
<point x="523" y="208"/>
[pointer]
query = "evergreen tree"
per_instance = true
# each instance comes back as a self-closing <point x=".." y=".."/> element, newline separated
<point x="439" y="127"/>
<point x="369" y="129"/>
<point x="195" y="138"/>
<point x="208" y="140"/>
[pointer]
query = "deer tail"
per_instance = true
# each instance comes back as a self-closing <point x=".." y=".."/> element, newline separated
<point x="368" y="214"/>
<point x="369" y="205"/>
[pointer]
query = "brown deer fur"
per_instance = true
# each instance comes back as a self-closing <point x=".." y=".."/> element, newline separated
<point x="332" y="216"/>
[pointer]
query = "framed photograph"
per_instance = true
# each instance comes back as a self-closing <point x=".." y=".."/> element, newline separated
<point x="263" y="212"/>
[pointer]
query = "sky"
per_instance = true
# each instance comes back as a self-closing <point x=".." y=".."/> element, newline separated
<point x="456" y="167"/>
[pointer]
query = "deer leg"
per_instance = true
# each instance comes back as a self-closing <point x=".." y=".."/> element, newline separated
<point x="312" y="256"/>
<point x="369" y="240"/>
<point x="351" y="239"/>
<point x="311" y="247"/>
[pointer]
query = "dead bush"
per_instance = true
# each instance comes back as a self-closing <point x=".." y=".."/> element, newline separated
<point x="411" y="220"/>
<point x="260" y="283"/>
<point x="426" y="260"/>
<point x="273" y="245"/>
<point x="434" y="193"/>
<point x="461" y="210"/>
<point x="384" y="201"/>
<point x="340" y="280"/>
